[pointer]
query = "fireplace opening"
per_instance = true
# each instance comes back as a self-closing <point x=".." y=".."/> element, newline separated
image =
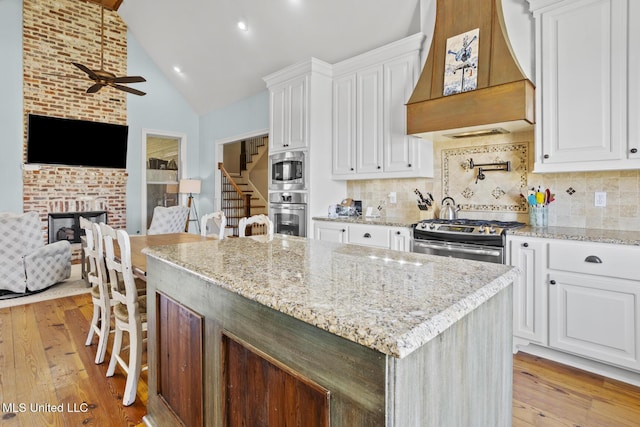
<point x="66" y="225"/>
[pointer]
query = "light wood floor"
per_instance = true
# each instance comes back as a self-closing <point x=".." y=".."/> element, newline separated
<point x="43" y="360"/>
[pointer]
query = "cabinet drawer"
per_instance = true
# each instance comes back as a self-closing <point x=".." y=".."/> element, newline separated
<point x="369" y="235"/>
<point x="582" y="257"/>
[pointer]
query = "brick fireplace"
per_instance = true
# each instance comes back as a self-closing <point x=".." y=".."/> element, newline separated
<point x="56" y="33"/>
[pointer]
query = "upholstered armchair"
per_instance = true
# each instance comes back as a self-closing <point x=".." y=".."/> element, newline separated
<point x="168" y="220"/>
<point x="26" y="263"/>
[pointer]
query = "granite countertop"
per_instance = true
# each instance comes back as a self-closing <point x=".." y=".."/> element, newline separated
<point x="398" y="221"/>
<point x="392" y="302"/>
<point x="619" y="237"/>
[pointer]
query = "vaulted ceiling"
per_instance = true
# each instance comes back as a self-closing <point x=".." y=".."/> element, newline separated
<point x="220" y="64"/>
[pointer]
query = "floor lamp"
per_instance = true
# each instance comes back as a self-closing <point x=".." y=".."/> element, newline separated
<point x="191" y="187"/>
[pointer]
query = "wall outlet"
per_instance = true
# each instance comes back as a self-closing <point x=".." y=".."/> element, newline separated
<point x="392" y="197"/>
<point x="601" y="199"/>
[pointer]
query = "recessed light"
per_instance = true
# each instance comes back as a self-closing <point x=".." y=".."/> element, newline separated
<point x="177" y="69"/>
<point x="243" y="25"/>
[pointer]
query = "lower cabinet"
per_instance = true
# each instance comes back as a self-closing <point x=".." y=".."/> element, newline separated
<point x="530" y="290"/>
<point x="180" y="348"/>
<point x="595" y="317"/>
<point x="379" y="236"/>
<point x="578" y="297"/>
<point x="330" y="231"/>
<point x="260" y="391"/>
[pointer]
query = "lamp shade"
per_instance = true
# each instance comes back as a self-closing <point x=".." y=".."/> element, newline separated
<point x="191" y="186"/>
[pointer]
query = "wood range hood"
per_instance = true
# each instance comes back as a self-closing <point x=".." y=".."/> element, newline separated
<point x="504" y="97"/>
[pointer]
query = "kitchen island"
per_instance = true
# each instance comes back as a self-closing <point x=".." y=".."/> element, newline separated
<point x="250" y="331"/>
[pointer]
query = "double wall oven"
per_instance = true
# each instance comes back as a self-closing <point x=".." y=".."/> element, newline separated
<point x="287" y="195"/>
<point x="480" y="240"/>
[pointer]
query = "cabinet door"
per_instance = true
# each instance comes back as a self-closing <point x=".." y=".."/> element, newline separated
<point x="399" y="81"/>
<point x="400" y="239"/>
<point x="289" y="115"/>
<point x="344" y="125"/>
<point x="261" y="391"/>
<point x="330" y="231"/>
<point x="634" y="82"/>
<point x="529" y="290"/>
<point x="583" y="82"/>
<point x="180" y="334"/>
<point x="595" y="317"/>
<point x="297" y="113"/>
<point x="278" y="130"/>
<point x="369" y="120"/>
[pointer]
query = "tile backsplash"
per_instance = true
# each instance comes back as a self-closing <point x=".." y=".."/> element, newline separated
<point x="498" y="195"/>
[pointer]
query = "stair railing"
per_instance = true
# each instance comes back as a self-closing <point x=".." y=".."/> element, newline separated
<point x="250" y="147"/>
<point x="235" y="203"/>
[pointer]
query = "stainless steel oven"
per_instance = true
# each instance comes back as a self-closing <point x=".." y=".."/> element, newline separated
<point x="463" y="238"/>
<point x="288" y="211"/>
<point x="287" y="171"/>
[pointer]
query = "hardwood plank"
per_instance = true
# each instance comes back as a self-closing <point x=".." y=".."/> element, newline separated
<point x="546" y="393"/>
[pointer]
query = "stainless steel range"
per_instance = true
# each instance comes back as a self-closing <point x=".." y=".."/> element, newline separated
<point x="481" y="240"/>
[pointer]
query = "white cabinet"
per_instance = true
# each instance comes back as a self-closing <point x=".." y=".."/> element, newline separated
<point x="596" y="317"/>
<point x="289" y="114"/>
<point x="369" y="115"/>
<point x="400" y="239"/>
<point x="330" y="231"/>
<point x="578" y="297"/>
<point x="530" y="290"/>
<point x="378" y="236"/>
<point x="594" y="301"/>
<point x="587" y="93"/>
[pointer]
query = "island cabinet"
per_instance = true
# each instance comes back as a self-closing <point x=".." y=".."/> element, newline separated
<point x="587" y="93"/>
<point x="283" y="338"/>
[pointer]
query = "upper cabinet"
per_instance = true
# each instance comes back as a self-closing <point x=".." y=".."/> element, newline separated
<point x="289" y="114"/>
<point x="294" y="92"/>
<point x="369" y="115"/>
<point x="587" y="97"/>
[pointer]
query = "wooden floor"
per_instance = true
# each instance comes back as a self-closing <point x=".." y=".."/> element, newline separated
<point x="44" y="364"/>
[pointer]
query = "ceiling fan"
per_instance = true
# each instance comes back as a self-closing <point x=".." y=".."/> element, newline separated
<point x="105" y="78"/>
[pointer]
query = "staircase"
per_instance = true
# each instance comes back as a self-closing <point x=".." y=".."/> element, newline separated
<point x="239" y="197"/>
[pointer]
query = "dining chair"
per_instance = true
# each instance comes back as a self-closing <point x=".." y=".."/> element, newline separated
<point x="260" y="224"/>
<point x="168" y="220"/>
<point x="129" y="309"/>
<point x="100" y="295"/>
<point x="213" y="223"/>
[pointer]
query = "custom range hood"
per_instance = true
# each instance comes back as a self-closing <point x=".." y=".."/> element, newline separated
<point x="491" y="93"/>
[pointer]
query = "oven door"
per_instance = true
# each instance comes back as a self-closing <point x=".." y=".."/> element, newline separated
<point x="289" y="218"/>
<point x="459" y="250"/>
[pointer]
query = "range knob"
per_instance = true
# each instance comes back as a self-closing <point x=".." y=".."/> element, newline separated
<point x="423" y="225"/>
<point x="492" y="230"/>
<point x="481" y="228"/>
<point x="432" y="226"/>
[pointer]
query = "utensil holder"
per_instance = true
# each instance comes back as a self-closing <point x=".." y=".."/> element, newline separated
<point x="538" y="216"/>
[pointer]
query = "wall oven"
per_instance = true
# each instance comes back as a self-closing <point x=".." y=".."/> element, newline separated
<point x="288" y="211"/>
<point x="478" y="240"/>
<point x="288" y="170"/>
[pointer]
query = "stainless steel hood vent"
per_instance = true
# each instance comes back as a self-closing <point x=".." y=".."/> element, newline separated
<point x="503" y="95"/>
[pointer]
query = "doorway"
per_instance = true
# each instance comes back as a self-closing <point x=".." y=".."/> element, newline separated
<point x="164" y="157"/>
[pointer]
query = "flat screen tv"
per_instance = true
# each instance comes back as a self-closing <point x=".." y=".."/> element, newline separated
<point x="71" y="142"/>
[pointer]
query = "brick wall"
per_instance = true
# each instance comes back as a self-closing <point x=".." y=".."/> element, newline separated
<point x="56" y="33"/>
